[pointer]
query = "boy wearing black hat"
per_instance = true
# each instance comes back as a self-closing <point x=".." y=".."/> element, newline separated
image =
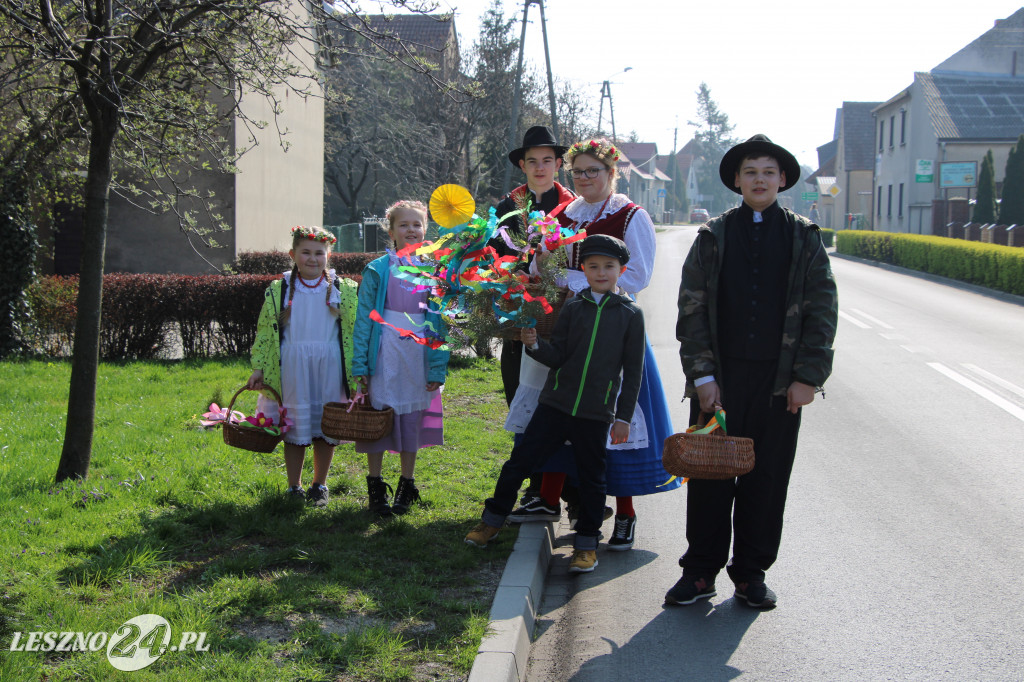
<point x="757" y="317"/>
<point x="599" y="336"/>
<point x="539" y="158"/>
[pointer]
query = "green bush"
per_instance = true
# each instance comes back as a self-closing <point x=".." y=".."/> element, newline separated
<point x="212" y="314"/>
<point x="276" y="262"/>
<point x="988" y="265"/>
<point x="828" y="237"/>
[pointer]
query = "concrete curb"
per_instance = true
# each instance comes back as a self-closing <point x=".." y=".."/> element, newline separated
<point x="505" y="649"/>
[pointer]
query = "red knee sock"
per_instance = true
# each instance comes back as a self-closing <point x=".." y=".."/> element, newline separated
<point x="551" y="487"/>
<point x="624" y="505"/>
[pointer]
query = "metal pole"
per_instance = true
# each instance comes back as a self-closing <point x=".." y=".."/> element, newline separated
<point x="551" y="83"/>
<point x="605" y="91"/>
<point x="611" y="112"/>
<point x="506" y="184"/>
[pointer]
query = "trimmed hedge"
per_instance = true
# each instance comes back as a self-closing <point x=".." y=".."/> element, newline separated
<point x="146" y="316"/>
<point x="988" y="265"/>
<point x="276" y="262"/>
<point x="828" y="237"/>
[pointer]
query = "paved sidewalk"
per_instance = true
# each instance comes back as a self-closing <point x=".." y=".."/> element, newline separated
<point x="505" y="650"/>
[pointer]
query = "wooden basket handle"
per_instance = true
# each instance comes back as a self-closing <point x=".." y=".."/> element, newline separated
<point x="277" y="396"/>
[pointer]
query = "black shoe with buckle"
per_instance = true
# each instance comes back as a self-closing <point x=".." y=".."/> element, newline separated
<point x="405" y="495"/>
<point x="689" y="589"/>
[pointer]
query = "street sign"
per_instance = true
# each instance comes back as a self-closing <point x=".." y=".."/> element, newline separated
<point x="924" y="170"/>
<point x="808" y="196"/>
<point x="834" y="190"/>
<point x="958" y="174"/>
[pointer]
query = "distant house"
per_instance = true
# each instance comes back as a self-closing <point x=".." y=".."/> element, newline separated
<point x="845" y="190"/>
<point x="822" y="181"/>
<point x="968" y="104"/>
<point x="641" y="179"/>
<point x="683" y="181"/>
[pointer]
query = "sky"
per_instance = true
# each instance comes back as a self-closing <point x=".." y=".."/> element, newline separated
<point x="779" y="68"/>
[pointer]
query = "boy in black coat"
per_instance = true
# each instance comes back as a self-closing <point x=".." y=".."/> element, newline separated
<point x="598" y="337"/>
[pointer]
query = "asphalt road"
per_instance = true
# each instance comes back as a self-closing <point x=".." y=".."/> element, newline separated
<point x="904" y="541"/>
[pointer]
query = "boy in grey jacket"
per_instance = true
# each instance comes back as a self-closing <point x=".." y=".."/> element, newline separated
<point x="596" y="356"/>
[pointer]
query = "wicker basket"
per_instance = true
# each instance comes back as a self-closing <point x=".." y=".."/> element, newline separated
<point x="545" y="323"/>
<point x="247" y="437"/>
<point x="707" y="456"/>
<point x="356" y="421"/>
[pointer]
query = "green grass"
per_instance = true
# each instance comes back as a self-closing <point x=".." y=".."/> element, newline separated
<point x="173" y="522"/>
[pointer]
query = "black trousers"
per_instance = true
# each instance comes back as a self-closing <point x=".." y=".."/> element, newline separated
<point x="751" y="507"/>
<point x="546" y="433"/>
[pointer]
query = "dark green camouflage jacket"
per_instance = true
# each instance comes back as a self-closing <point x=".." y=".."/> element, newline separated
<point x="812" y="306"/>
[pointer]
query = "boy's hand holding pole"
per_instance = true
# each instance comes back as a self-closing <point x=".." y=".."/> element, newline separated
<point x="528" y="336"/>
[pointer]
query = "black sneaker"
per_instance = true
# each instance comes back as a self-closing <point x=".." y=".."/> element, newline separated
<point x="296" y="492"/>
<point x="574" y="514"/>
<point x="622" y="537"/>
<point x="317" y="495"/>
<point x="538" y="510"/>
<point x="528" y="497"/>
<point x="756" y="595"/>
<point x="406" y="494"/>
<point x="689" y="589"/>
<point x="377" y="496"/>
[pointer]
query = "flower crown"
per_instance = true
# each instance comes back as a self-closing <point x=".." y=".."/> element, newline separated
<point x="602" y="150"/>
<point x="316" y="234"/>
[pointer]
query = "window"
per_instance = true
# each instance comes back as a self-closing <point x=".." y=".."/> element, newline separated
<point x="888" y="204"/>
<point x="903" y="126"/>
<point x="899" y="206"/>
<point x="879" y="201"/>
<point x="881" y="135"/>
<point x="892" y="129"/>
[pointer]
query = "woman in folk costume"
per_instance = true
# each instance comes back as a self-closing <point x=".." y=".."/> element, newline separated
<point x="634" y="467"/>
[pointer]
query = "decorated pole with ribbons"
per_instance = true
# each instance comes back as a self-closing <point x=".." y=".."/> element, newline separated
<point x="461" y="264"/>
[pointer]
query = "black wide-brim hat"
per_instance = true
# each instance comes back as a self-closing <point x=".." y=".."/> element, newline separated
<point x="537" y="136"/>
<point x="757" y="146"/>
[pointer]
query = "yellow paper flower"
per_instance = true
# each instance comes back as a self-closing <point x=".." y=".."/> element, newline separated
<point x="451" y="205"/>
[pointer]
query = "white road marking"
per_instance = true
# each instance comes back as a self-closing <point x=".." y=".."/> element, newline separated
<point x="917" y="349"/>
<point x="853" y="320"/>
<point x="988" y="395"/>
<point x="999" y="381"/>
<point x="869" y="318"/>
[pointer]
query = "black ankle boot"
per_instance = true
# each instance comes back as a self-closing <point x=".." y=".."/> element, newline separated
<point x="377" y="491"/>
<point x="406" y="494"/>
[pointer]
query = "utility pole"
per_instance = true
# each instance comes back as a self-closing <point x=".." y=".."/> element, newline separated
<point x="514" y="122"/>
<point x="606" y="91"/>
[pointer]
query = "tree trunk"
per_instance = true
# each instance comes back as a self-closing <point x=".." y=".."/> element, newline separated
<point x="78" y="431"/>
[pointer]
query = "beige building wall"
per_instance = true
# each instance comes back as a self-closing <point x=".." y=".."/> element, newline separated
<point x="280" y="183"/>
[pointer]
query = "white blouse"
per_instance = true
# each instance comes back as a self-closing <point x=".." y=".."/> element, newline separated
<point x="639" y="238"/>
